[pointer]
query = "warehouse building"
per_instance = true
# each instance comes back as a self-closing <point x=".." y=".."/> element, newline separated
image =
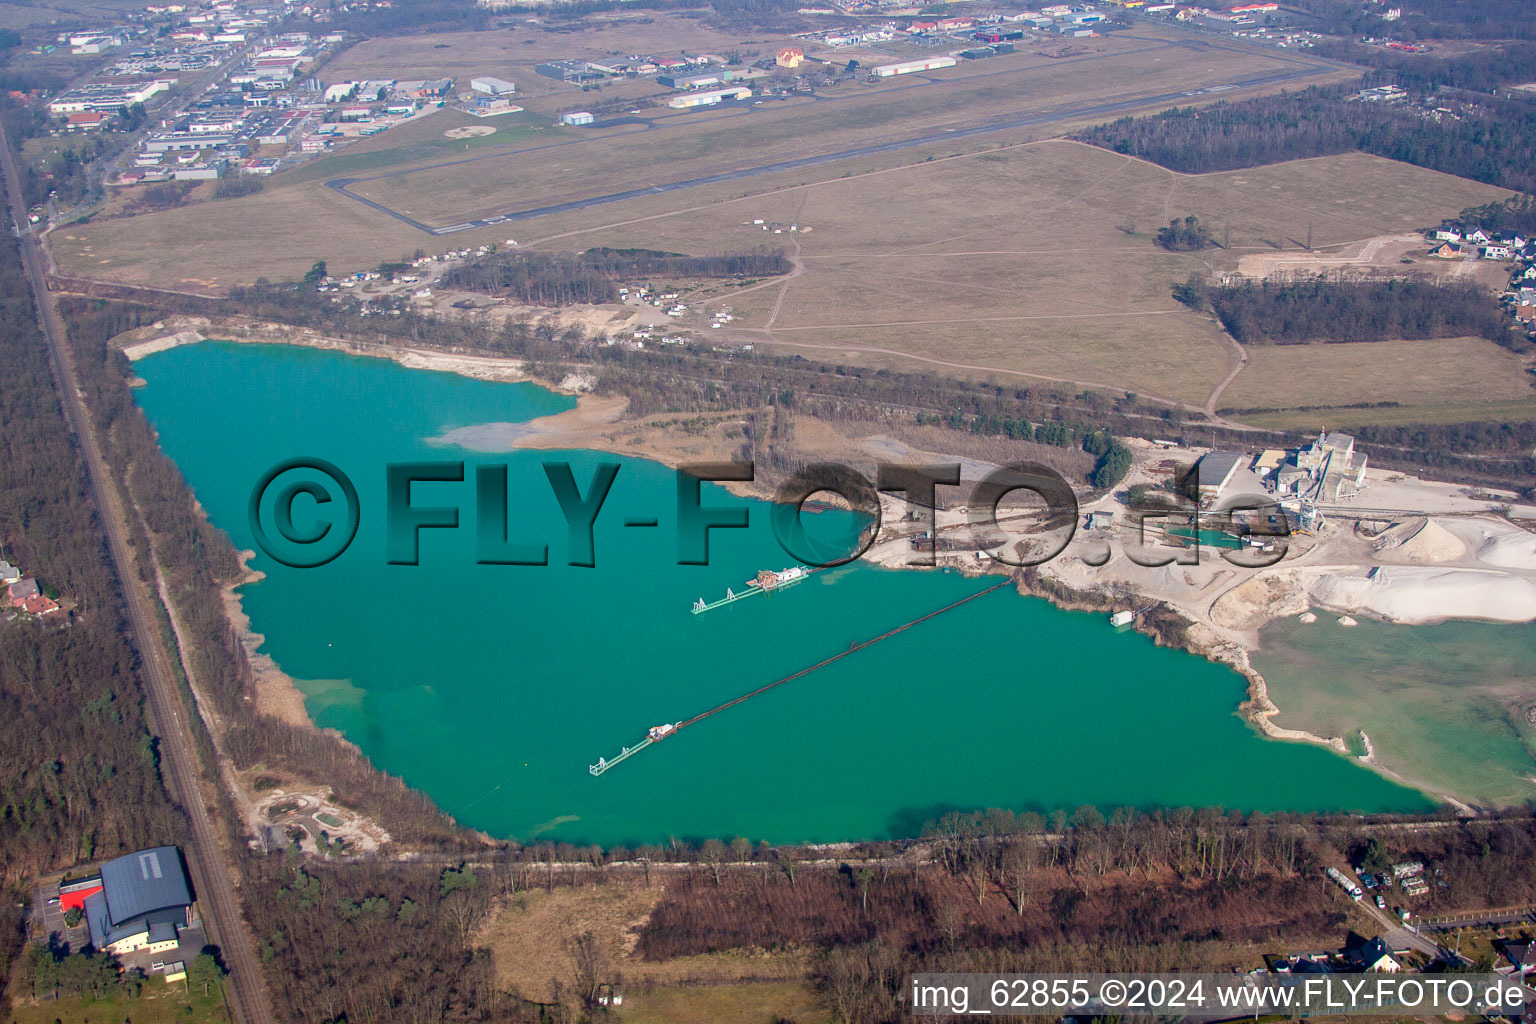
<point x="142" y="901"/>
<point x="492" y="86"/>
<point x="577" y="118"/>
<point x="707" y="99"/>
<point x="107" y="99"/>
<point x="567" y="71"/>
<point x="907" y="67"/>
<point x="691" y="81"/>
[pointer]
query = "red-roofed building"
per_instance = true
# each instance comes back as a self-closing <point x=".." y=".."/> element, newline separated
<point x="37" y="604"/>
<point x="86" y="120"/>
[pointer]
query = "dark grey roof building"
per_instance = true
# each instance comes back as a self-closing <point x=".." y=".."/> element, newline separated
<point x="144" y="898"/>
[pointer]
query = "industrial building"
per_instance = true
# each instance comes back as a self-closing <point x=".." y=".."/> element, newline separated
<point x="907" y="67"/>
<point x="108" y="99"/>
<point x="567" y="71"/>
<point x="137" y="902"/>
<point x="1215" y="471"/>
<point x="692" y="81"/>
<point x="705" y="99"/>
<point x="577" y="118"/>
<point x="492" y="86"/>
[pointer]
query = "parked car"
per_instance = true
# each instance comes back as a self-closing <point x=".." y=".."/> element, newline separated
<point x="1381" y="902"/>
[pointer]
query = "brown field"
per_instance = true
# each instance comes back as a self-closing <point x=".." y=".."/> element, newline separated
<point x="529" y="941"/>
<point x="1426" y="378"/>
<point x="747" y="1003"/>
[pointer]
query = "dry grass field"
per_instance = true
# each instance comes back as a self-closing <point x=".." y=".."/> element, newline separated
<point x="1426" y="378"/>
<point x="530" y="939"/>
<point x="1027" y="264"/>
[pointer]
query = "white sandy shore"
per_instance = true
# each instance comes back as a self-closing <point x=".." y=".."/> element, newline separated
<point x="479" y="367"/>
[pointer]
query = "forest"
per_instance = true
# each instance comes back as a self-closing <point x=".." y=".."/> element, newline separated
<point x="79" y="775"/>
<point x="1488" y="140"/>
<point x="594" y="276"/>
<point x="1337" y="309"/>
<point x="1423" y="19"/>
<point x="1126" y="890"/>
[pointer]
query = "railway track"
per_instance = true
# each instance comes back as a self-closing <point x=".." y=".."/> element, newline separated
<point x="210" y="873"/>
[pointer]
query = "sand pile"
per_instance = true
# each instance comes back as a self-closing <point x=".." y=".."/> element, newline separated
<point x="1514" y="550"/>
<point x="1415" y="594"/>
<point x="1421" y="540"/>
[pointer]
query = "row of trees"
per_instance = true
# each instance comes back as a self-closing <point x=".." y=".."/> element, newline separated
<point x="594" y="276"/>
<point x="1342" y="309"/>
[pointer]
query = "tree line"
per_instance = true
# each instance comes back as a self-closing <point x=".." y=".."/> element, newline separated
<point x="1422" y="19"/>
<point x="1488" y="140"/>
<point x="1516" y="215"/>
<point x="1338" y="309"/>
<point x="696" y="379"/>
<point x="594" y="276"/>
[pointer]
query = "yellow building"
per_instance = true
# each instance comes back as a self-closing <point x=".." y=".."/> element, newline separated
<point x="789" y="57"/>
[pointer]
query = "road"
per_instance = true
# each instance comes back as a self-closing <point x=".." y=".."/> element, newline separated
<point x="210" y="874"/>
<point x="103" y="170"/>
<point x="1050" y="115"/>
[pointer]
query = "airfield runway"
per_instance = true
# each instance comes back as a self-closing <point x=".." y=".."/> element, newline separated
<point x="1047" y="115"/>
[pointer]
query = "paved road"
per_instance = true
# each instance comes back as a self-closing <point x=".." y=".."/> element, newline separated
<point x="215" y="892"/>
<point x="1006" y="123"/>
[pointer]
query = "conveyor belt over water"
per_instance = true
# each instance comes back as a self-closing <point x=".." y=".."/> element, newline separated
<point x="660" y="732"/>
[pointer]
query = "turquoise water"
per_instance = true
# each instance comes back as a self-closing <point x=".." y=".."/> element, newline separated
<point x="492" y="687"/>
<point x="1445" y="705"/>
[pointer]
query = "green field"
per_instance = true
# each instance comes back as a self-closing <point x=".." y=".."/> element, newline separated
<point x="160" y="1003"/>
<point x="420" y="140"/>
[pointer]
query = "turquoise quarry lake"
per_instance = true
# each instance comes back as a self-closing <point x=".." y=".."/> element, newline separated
<point x="492" y="687"/>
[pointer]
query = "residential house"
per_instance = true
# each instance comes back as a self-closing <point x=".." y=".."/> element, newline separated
<point x="1497" y="252"/>
<point x="8" y="573"/>
<point x="1519" y="958"/>
<point x="1446" y="250"/>
<point x="21" y="590"/>
<point x="1478" y="237"/>
<point x="37" y="604"/>
<point x="1447" y="235"/>
<point x="1373" y="956"/>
